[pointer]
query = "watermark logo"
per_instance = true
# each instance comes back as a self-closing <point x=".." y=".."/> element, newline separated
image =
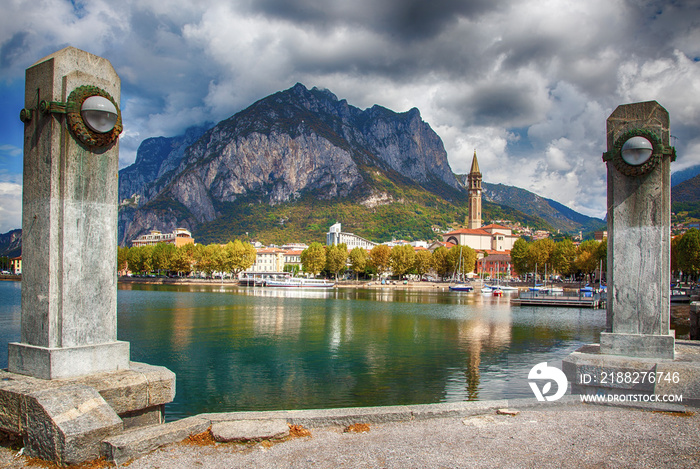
<point x="551" y="374"/>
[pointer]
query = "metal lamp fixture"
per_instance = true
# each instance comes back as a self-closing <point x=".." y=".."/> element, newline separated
<point x="92" y="116"/>
<point x="637" y="152"/>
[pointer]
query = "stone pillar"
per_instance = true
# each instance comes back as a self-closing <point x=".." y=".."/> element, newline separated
<point x="69" y="221"/>
<point x="695" y="320"/>
<point x="639" y="211"/>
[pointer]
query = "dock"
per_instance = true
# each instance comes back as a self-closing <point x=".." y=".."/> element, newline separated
<point x="540" y="299"/>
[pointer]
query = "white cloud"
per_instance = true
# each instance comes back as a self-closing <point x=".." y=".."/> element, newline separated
<point x="10" y="206"/>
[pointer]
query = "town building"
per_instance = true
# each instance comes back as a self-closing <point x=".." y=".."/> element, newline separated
<point x="16" y="265"/>
<point x="179" y="237"/>
<point x="269" y="260"/>
<point x="336" y="236"/>
<point x="494" y="264"/>
<point x="487" y="238"/>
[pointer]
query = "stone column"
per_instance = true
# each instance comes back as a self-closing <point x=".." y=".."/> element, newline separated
<point x="639" y="211"/>
<point x="69" y="221"/>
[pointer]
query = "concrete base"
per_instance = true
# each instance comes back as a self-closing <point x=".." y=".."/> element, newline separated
<point x="637" y="345"/>
<point x="594" y="373"/>
<point x="65" y="420"/>
<point x="67" y="362"/>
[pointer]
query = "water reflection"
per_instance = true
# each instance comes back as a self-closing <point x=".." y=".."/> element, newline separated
<point x="261" y="349"/>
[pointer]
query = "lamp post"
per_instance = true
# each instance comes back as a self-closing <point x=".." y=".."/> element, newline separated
<point x="69" y="219"/>
<point x="639" y="236"/>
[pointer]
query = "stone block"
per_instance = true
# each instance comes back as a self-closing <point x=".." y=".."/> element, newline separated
<point x="67" y="424"/>
<point x="250" y="430"/>
<point x="133" y="443"/>
<point x="66" y="362"/>
<point x="638" y="345"/>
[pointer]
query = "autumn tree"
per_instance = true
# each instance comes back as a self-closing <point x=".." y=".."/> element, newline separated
<point x="122" y="258"/>
<point x="401" y="259"/>
<point x="358" y="260"/>
<point x="563" y="257"/>
<point x="313" y="258"/>
<point x="423" y="262"/>
<point x="336" y="258"/>
<point x="441" y="262"/>
<point x="539" y="254"/>
<point x="379" y="257"/>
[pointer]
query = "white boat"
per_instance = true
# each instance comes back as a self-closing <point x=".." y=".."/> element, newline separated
<point x="487" y="289"/>
<point x="298" y="282"/>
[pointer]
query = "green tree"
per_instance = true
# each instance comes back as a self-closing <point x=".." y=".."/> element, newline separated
<point x="313" y="258"/>
<point x="442" y="263"/>
<point x="467" y="263"/>
<point x="379" y="258"/>
<point x="358" y="260"/>
<point x="539" y="254"/>
<point x="183" y="259"/>
<point x="423" y="263"/>
<point x="238" y="256"/>
<point x="140" y="259"/>
<point x="122" y="258"/>
<point x="563" y="257"/>
<point x="689" y="252"/>
<point x="208" y="258"/>
<point x="401" y="259"/>
<point x="336" y="258"/>
<point x="519" y="256"/>
<point x="162" y="255"/>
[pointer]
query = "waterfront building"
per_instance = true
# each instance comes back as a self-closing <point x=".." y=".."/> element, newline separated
<point x="179" y="237"/>
<point x="494" y="264"/>
<point x="335" y="236"/>
<point x="269" y="260"/>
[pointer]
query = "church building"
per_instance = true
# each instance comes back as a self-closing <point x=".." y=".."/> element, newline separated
<point x="491" y="237"/>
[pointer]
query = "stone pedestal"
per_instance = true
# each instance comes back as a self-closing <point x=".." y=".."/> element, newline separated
<point x="66" y="420"/>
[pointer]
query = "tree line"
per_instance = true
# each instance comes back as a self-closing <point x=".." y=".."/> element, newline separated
<point x="562" y="257"/>
<point x="400" y="260"/>
<point x="232" y="258"/>
<point x="238" y="256"/>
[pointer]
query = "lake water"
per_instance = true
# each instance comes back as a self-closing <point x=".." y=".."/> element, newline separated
<point x="236" y="349"/>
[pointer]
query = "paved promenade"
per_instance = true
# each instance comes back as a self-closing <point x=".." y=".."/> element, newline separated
<point x="568" y="434"/>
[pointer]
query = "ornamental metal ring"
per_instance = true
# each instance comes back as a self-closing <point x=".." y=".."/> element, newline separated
<point x="77" y="126"/>
<point x="636" y="170"/>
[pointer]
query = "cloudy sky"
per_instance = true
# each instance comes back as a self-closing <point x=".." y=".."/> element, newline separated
<point x="527" y="83"/>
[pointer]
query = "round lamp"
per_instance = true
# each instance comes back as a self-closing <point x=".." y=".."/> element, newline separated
<point x="637" y="150"/>
<point x="99" y="114"/>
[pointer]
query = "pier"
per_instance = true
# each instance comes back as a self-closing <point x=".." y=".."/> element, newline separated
<point x="546" y="299"/>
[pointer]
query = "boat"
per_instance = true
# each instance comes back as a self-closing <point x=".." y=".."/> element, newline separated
<point x="459" y="285"/>
<point x="508" y="288"/>
<point x="497" y="292"/>
<point x="298" y="282"/>
<point x="487" y="289"/>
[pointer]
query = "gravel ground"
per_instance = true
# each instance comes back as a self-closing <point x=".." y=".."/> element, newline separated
<point x="578" y="436"/>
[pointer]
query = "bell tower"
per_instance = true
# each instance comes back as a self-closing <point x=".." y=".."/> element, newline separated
<point x="474" y="187"/>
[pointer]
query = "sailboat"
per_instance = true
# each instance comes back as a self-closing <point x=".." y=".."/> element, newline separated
<point x="460" y="286"/>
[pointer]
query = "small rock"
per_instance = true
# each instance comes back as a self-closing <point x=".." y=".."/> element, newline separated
<point x="510" y="412"/>
<point x="250" y="430"/>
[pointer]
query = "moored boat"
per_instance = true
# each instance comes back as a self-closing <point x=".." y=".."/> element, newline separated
<point x="298" y="282"/>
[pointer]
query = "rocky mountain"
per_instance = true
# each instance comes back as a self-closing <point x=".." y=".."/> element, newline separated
<point x="289" y="146"/>
<point x="11" y="243"/>
<point x="687" y="191"/>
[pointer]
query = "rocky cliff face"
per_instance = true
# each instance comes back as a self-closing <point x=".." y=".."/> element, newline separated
<point x="293" y="142"/>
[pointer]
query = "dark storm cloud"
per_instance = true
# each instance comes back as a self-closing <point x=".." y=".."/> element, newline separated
<point x="405" y="19"/>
